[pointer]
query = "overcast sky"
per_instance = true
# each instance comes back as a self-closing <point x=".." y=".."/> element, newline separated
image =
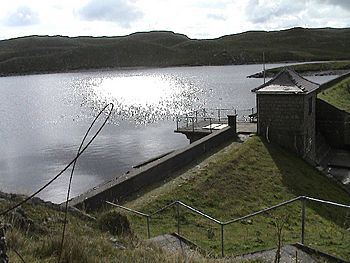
<point x="195" y="18"/>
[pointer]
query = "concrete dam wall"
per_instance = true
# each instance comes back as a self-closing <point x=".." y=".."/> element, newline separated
<point x="155" y="172"/>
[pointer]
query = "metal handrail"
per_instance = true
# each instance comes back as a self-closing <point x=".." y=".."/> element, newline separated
<point x="164" y="208"/>
<point x="137" y="213"/>
<point x="222" y="224"/>
<point x="202" y="113"/>
<point x="127" y="209"/>
<point x="264" y="210"/>
<point x="195" y="113"/>
<point x="326" y="202"/>
<point x="217" y="114"/>
<point x="199" y="212"/>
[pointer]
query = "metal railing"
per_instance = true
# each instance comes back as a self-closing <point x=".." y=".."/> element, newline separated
<point x="191" y="123"/>
<point x="222" y="224"/>
<point x="246" y="115"/>
<point x="191" y="120"/>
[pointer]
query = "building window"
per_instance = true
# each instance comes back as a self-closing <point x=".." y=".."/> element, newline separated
<point x="310" y="105"/>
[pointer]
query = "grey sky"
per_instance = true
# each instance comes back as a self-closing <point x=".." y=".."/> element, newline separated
<point x="118" y="11"/>
<point x="195" y="18"/>
<point x="23" y="16"/>
<point x="342" y="3"/>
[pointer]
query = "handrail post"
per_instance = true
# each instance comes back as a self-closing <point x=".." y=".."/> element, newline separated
<point x="219" y="114"/>
<point x="192" y="124"/>
<point x="178" y="217"/>
<point x="303" y="220"/>
<point x="148" y="228"/>
<point x="177" y="123"/>
<point x="222" y="240"/>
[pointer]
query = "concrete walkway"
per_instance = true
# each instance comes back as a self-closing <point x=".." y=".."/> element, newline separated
<point x="289" y="254"/>
<point x="246" y="127"/>
<point x="294" y="253"/>
<point x="172" y="243"/>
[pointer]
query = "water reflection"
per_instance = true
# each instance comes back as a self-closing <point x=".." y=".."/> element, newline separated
<point x="144" y="98"/>
<point x="44" y="117"/>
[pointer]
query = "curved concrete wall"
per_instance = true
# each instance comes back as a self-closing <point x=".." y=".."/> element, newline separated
<point x="155" y="172"/>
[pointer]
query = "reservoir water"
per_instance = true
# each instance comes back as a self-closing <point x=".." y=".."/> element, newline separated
<point x="44" y="117"/>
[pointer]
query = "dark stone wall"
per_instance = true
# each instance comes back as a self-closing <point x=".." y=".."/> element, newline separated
<point x="333" y="124"/>
<point x="284" y="119"/>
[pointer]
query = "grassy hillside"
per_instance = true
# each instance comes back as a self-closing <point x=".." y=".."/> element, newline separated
<point x="237" y="180"/>
<point x="36" y="231"/>
<point x="158" y="49"/>
<point x="338" y="96"/>
<point x="242" y="179"/>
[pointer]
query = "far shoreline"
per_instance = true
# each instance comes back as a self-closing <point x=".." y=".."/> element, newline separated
<point x="305" y="74"/>
<point x="83" y="70"/>
<point x="320" y="68"/>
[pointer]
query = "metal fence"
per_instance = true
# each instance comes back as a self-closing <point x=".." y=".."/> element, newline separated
<point x="209" y="116"/>
<point x="223" y="224"/>
<point x="246" y="115"/>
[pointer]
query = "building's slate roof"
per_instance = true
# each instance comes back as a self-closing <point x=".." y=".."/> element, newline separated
<point x="287" y="82"/>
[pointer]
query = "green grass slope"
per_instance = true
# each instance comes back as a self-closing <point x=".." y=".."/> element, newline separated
<point x="35" y="234"/>
<point x="338" y="96"/>
<point x="235" y="181"/>
<point x="242" y="179"/>
<point x="162" y="48"/>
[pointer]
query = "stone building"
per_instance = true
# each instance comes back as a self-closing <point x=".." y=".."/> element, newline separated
<point x="286" y="109"/>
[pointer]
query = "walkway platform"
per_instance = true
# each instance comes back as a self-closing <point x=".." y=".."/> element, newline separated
<point x="203" y="128"/>
<point x="208" y="127"/>
<point x="246" y="127"/>
<point x="174" y="243"/>
<point x="198" y="124"/>
<point x="291" y="254"/>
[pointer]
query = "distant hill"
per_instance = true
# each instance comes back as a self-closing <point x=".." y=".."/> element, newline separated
<point x="35" y="54"/>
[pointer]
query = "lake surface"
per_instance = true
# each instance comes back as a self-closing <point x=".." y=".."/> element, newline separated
<point x="44" y="118"/>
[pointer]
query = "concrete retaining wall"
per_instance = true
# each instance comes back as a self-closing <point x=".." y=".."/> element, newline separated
<point x="332" y="82"/>
<point x="333" y="124"/>
<point x="149" y="174"/>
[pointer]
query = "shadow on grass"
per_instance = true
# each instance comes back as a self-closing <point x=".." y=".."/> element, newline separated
<point x="303" y="179"/>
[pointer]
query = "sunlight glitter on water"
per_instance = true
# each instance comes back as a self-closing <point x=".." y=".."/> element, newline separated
<point x="146" y="98"/>
<point x="141" y="90"/>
